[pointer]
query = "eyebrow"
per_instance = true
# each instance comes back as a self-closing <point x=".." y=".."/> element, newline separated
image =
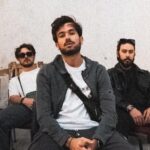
<point x="67" y="31"/>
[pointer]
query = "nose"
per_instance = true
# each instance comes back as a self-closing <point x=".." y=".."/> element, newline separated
<point x="67" y="36"/>
<point x="127" y="54"/>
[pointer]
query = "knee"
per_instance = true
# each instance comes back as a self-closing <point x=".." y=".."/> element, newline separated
<point x="4" y="124"/>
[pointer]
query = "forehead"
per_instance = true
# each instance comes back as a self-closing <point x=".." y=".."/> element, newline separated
<point x="66" y="27"/>
<point x="127" y="46"/>
<point x="24" y="50"/>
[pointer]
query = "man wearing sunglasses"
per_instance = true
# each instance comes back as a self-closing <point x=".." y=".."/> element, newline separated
<point x="20" y="111"/>
<point x="132" y="90"/>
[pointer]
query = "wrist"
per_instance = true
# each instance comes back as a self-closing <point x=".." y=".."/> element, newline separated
<point x="68" y="142"/>
<point x="130" y="107"/>
<point x="99" y="143"/>
<point x="21" y="100"/>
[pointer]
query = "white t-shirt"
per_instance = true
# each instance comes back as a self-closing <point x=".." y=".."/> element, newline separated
<point x="73" y="115"/>
<point x="28" y="81"/>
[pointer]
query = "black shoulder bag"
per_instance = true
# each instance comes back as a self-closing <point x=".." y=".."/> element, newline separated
<point x="92" y="106"/>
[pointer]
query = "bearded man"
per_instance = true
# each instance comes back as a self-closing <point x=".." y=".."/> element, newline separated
<point x="66" y="121"/>
<point x="131" y="87"/>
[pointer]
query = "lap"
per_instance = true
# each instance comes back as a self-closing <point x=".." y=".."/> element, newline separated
<point x="44" y="141"/>
<point x="15" y="116"/>
<point x="117" y="142"/>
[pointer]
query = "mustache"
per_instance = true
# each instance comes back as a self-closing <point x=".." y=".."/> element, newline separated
<point x="26" y="59"/>
<point x="68" y="42"/>
<point x="127" y="59"/>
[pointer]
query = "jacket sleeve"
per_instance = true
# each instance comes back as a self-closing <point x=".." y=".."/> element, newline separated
<point x="107" y="104"/>
<point x="148" y="93"/>
<point x="118" y="91"/>
<point x="45" y="114"/>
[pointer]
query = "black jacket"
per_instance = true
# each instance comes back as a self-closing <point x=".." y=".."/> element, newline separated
<point x="128" y="92"/>
<point x="51" y="91"/>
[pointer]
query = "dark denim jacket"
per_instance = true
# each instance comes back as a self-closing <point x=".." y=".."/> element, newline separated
<point x="51" y="91"/>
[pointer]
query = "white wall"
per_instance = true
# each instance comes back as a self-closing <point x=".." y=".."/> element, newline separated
<point x="103" y="21"/>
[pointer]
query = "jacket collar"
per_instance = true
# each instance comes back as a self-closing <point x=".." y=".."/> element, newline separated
<point x="119" y="68"/>
<point x="59" y="64"/>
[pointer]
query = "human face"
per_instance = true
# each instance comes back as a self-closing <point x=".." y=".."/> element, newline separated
<point x="28" y="59"/>
<point x="68" y="40"/>
<point x="126" y="55"/>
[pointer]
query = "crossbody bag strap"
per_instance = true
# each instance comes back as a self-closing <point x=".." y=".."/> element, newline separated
<point x="72" y="85"/>
<point x="21" y="85"/>
<point x="89" y="103"/>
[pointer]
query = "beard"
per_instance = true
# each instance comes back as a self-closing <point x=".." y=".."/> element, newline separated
<point x="72" y="51"/>
<point x="28" y="64"/>
<point x="126" y="63"/>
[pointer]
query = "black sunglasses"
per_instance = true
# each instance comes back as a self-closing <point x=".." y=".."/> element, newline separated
<point x="27" y="54"/>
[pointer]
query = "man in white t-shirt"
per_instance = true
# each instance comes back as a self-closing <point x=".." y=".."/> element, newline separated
<point x="67" y="121"/>
<point x="19" y="112"/>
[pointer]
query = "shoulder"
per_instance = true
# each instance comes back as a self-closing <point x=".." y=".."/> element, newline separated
<point x="47" y="71"/>
<point x="47" y="67"/>
<point x="111" y="70"/>
<point x="144" y="74"/>
<point x="91" y="64"/>
<point x="13" y="80"/>
<point x="142" y="71"/>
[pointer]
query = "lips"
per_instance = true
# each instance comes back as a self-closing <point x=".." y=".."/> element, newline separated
<point x="69" y="44"/>
<point x="27" y="60"/>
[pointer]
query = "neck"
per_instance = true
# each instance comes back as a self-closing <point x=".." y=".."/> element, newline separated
<point x="26" y="69"/>
<point x="125" y="68"/>
<point x="74" y="61"/>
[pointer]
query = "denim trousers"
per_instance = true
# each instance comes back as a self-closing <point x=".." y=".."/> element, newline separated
<point x="15" y="115"/>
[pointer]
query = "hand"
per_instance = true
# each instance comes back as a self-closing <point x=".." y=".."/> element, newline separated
<point x="28" y="102"/>
<point x="82" y="144"/>
<point x="137" y="116"/>
<point x="93" y="145"/>
<point x="146" y="116"/>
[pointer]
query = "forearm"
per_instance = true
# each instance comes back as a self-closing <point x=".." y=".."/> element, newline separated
<point x="15" y="99"/>
<point x="108" y="108"/>
<point x="108" y="120"/>
<point x="106" y="127"/>
<point x="51" y="127"/>
<point x="123" y="105"/>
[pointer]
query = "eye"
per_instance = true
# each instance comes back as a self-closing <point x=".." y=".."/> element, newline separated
<point x="61" y="35"/>
<point x="131" y="51"/>
<point x="72" y="32"/>
<point x="124" y="50"/>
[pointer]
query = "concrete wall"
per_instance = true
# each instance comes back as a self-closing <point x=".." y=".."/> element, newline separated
<point x="103" y="21"/>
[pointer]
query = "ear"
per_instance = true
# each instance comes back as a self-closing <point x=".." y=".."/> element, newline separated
<point x="56" y="45"/>
<point x="81" y="39"/>
<point x="117" y="53"/>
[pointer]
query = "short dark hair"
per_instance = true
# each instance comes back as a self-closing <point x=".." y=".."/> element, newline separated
<point x="124" y="41"/>
<point x="24" y="45"/>
<point x="58" y="22"/>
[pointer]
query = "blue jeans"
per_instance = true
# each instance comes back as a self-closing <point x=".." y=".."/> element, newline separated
<point x="13" y="116"/>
